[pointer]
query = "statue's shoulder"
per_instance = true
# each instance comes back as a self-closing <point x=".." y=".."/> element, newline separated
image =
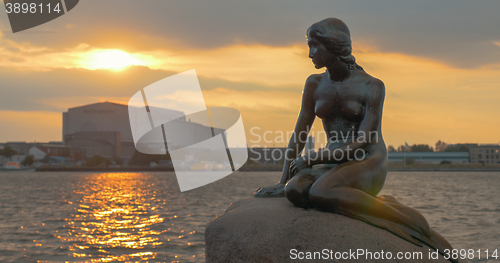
<point x="377" y="83"/>
<point x="313" y="81"/>
<point x="369" y="79"/>
<point x="373" y="83"/>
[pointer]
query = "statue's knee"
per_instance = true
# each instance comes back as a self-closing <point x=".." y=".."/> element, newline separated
<point x="296" y="193"/>
<point x="293" y="190"/>
<point x="323" y="198"/>
<point x="316" y="193"/>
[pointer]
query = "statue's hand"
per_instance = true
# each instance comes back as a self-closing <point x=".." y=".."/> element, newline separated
<point x="298" y="164"/>
<point x="277" y="190"/>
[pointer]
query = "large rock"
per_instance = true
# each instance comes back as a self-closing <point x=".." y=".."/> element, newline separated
<point x="273" y="230"/>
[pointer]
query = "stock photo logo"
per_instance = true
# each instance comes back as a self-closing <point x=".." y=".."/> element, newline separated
<point x="26" y="14"/>
<point x="204" y="144"/>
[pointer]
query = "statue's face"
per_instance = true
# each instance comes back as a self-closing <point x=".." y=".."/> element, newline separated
<point x="320" y="56"/>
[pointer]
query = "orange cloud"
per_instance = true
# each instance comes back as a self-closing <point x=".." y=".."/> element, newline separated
<point x="71" y="102"/>
<point x="426" y="100"/>
<point x="274" y="66"/>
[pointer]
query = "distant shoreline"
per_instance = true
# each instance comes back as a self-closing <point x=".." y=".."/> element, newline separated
<point x="257" y="169"/>
<point x="104" y="169"/>
<point x="443" y="169"/>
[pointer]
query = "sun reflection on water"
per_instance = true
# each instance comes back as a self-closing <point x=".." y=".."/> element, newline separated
<point x="114" y="220"/>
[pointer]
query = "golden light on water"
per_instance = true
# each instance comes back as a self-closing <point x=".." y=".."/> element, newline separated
<point x="115" y="215"/>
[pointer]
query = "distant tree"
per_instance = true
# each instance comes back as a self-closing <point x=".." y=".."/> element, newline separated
<point x="403" y="148"/>
<point x="421" y="148"/>
<point x="441" y="146"/>
<point x="410" y="161"/>
<point x="390" y="148"/>
<point x="97" y="161"/>
<point x="445" y="162"/>
<point x="142" y="159"/>
<point x="8" y="152"/>
<point x="457" y="148"/>
<point x="28" y="161"/>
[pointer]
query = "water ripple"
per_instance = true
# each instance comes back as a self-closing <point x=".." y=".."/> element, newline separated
<point x="109" y="217"/>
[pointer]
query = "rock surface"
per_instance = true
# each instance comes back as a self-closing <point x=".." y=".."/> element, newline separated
<point x="273" y="230"/>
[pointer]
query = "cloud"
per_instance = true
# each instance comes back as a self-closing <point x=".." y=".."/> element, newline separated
<point x="437" y="60"/>
<point x="266" y="65"/>
<point x="459" y="33"/>
<point x="59" y="89"/>
<point x="25" y="56"/>
<point x="44" y="95"/>
<point x="435" y="101"/>
<point x="47" y="91"/>
<point x="257" y="102"/>
<point x="426" y="100"/>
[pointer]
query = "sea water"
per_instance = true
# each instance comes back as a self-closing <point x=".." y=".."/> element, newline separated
<point x="108" y="217"/>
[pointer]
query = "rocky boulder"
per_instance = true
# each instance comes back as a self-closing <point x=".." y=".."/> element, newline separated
<point x="273" y="230"/>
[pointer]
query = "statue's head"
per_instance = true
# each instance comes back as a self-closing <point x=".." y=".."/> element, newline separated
<point x="334" y="36"/>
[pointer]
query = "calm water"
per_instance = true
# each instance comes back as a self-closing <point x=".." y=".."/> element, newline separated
<point x="107" y="217"/>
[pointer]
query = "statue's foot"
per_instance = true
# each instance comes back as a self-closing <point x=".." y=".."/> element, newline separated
<point x="277" y="190"/>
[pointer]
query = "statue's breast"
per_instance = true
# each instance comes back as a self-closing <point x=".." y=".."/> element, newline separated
<point x="352" y="110"/>
<point x="349" y="110"/>
<point x="324" y="109"/>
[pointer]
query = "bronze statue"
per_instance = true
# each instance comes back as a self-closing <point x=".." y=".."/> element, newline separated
<point x="349" y="102"/>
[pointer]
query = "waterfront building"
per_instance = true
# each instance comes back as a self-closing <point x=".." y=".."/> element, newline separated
<point x="430" y="157"/>
<point x="22" y="148"/>
<point x="104" y="129"/>
<point x="103" y="117"/>
<point x="44" y="151"/>
<point x="105" y="144"/>
<point x="485" y="154"/>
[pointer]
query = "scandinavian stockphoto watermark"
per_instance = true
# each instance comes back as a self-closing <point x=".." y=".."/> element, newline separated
<point x="204" y="144"/>
<point x="341" y="146"/>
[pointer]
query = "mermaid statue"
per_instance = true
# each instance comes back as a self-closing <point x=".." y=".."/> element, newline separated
<point x="346" y="176"/>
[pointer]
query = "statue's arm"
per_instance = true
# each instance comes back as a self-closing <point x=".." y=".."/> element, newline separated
<point x="369" y="127"/>
<point x="302" y="127"/>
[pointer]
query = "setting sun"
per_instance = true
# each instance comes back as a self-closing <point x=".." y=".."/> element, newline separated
<point x="112" y="59"/>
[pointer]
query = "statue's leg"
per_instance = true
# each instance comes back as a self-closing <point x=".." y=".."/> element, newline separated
<point x="435" y="240"/>
<point x="349" y="189"/>
<point x="297" y="188"/>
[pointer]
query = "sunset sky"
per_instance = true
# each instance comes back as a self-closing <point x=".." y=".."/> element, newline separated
<point x="439" y="60"/>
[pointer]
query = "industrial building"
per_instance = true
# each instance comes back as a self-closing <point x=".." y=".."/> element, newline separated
<point x="105" y="144"/>
<point x="485" y="154"/>
<point x="104" y="129"/>
<point x="103" y="117"/>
